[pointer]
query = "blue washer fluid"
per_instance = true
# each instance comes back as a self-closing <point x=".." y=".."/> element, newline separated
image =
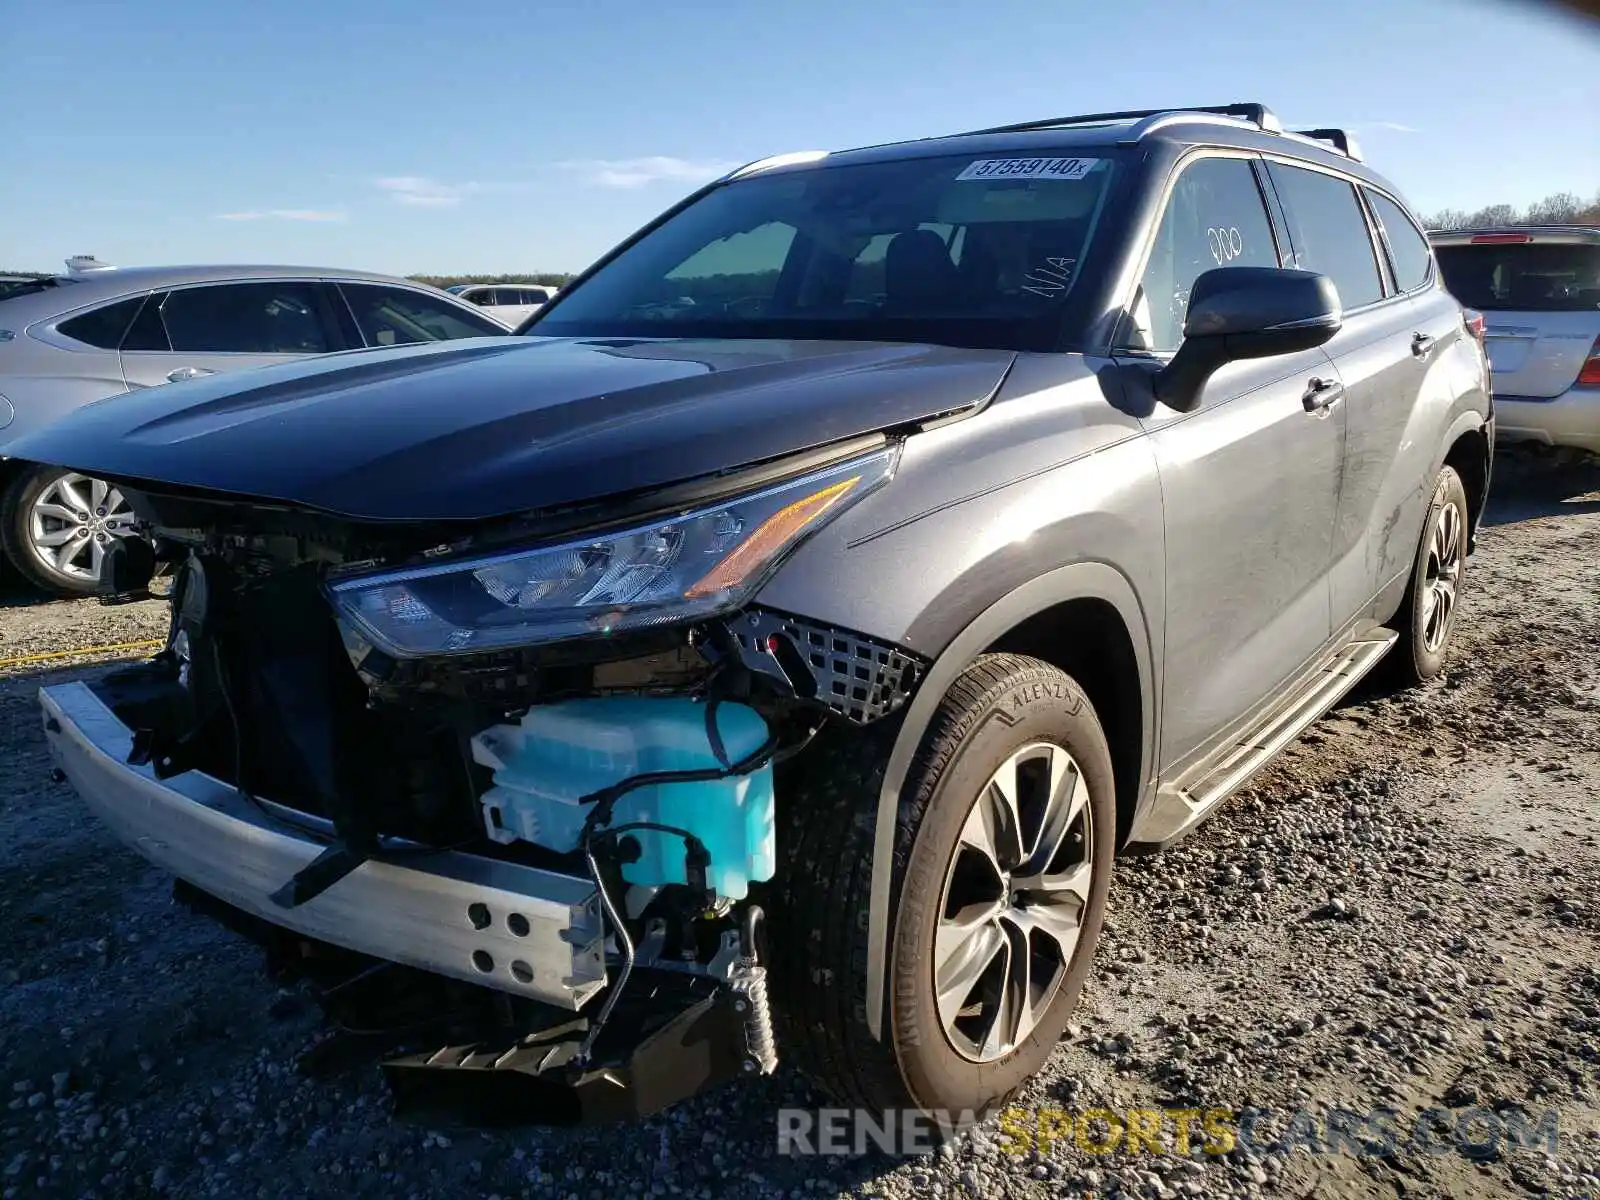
<point x="559" y="753"/>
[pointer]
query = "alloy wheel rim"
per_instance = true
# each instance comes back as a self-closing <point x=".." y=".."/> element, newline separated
<point x="1442" y="577"/>
<point x="73" y="522"/>
<point x="1014" y="898"/>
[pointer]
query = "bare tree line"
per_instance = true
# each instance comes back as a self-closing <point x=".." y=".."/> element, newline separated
<point x="545" y="278"/>
<point x="1563" y="208"/>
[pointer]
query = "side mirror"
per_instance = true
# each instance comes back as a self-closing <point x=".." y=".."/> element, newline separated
<point x="1247" y="312"/>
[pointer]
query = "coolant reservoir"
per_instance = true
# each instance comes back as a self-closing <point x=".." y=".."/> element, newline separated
<point x="560" y="753"/>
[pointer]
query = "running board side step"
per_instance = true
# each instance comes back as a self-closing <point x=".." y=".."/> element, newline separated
<point x="1179" y="808"/>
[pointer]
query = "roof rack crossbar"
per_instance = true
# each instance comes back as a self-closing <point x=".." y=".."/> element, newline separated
<point x="1342" y="141"/>
<point x="1257" y="114"/>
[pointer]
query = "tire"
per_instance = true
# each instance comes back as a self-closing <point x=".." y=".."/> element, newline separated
<point x="1001" y="705"/>
<point x="65" y="568"/>
<point x="1424" y="641"/>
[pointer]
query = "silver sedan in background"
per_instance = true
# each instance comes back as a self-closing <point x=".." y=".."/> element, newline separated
<point x="97" y="331"/>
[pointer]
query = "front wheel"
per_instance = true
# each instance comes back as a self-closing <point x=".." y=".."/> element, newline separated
<point x="56" y="527"/>
<point x="1001" y="868"/>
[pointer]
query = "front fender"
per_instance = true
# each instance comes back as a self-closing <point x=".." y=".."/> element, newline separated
<point x="1050" y="495"/>
<point x="1077" y="581"/>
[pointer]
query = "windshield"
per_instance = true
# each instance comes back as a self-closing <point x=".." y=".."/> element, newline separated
<point x="1523" y="277"/>
<point x="961" y="251"/>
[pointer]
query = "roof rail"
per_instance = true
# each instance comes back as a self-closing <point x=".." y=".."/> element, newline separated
<point x="1342" y="141"/>
<point x="777" y="160"/>
<point x="1257" y="114"/>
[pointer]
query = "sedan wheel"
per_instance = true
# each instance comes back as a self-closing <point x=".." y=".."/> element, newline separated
<point x="59" y="526"/>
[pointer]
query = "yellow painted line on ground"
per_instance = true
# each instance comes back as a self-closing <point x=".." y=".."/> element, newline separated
<point x="146" y="644"/>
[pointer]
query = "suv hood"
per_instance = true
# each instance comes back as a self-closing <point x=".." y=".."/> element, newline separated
<point x="488" y="427"/>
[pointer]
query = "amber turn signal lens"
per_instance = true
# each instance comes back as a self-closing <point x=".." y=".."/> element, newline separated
<point x="769" y="539"/>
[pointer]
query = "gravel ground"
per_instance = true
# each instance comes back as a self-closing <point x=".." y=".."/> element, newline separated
<point x="1400" y="914"/>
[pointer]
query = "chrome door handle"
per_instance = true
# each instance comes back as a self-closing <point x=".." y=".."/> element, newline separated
<point x="1322" y="394"/>
<point x="1421" y="344"/>
<point x="183" y="373"/>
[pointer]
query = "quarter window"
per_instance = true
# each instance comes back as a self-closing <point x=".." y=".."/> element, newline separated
<point x="1328" y="232"/>
<point x="103" y="327"/>
<point x="246" y="318"/>
<point x="1407" y="247"/>
<point x="1215" y="218"/>
<point x="390" y="316"/>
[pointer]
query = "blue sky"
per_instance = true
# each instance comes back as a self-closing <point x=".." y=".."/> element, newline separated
<point x="414" y="136"/>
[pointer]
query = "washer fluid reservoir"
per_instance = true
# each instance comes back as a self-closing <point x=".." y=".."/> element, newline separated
<point x="559" y="753"/>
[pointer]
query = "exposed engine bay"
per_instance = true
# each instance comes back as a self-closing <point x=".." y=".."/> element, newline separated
<point x="644" y="761"/>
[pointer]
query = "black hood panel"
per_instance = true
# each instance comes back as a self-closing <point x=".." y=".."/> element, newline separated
<point x="490" y="427"/>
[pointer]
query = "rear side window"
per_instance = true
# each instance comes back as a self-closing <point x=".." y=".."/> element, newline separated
<point x="391" y="316"/>
<point x="1215" y="218"/>
<point x="1407" y="247"/>
<point x="1527" y="277"/>
<point x="102" y="327"/>
<point x="1329" y="233"/>
<point x="246" y="318"/>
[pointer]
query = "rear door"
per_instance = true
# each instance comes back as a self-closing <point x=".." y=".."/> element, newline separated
<point x="212" y="328"/>
<point x="1539" y="293"/>
<point x="1381" y="354"/>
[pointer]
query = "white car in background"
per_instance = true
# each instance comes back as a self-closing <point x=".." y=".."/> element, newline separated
<point x="509" y="303"/>
<point x="98" y="331"/>
<point x="1538" y="288"/>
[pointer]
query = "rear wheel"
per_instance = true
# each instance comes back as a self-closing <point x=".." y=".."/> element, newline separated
<point x="56" y="527"/>
<point x="1002" y="861"/>
<point x="1427" y="617"/>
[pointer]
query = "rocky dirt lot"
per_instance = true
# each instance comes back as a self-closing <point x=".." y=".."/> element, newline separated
<point x="1402" y="914"/>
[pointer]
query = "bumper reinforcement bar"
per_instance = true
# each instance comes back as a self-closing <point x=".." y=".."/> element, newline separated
<point x="515" y="928"/>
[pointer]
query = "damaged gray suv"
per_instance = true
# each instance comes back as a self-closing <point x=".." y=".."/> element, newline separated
<point x="766" y="652"/>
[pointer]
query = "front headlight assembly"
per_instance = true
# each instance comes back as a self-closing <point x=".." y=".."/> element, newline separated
<point x="679" y="568"/>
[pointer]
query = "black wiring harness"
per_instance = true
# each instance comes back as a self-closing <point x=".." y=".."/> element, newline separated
<point x="597" y="825"/>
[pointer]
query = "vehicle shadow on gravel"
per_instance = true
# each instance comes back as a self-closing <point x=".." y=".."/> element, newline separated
<point x="18" y="593"/>
<point x="25" y="682"/>
<point x="1528" y="484"/>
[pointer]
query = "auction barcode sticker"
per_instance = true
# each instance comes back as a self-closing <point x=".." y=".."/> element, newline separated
<point x="1029" y="168"/>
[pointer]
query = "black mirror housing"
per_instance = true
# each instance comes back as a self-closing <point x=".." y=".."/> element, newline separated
<point x="1247" y="312"/>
